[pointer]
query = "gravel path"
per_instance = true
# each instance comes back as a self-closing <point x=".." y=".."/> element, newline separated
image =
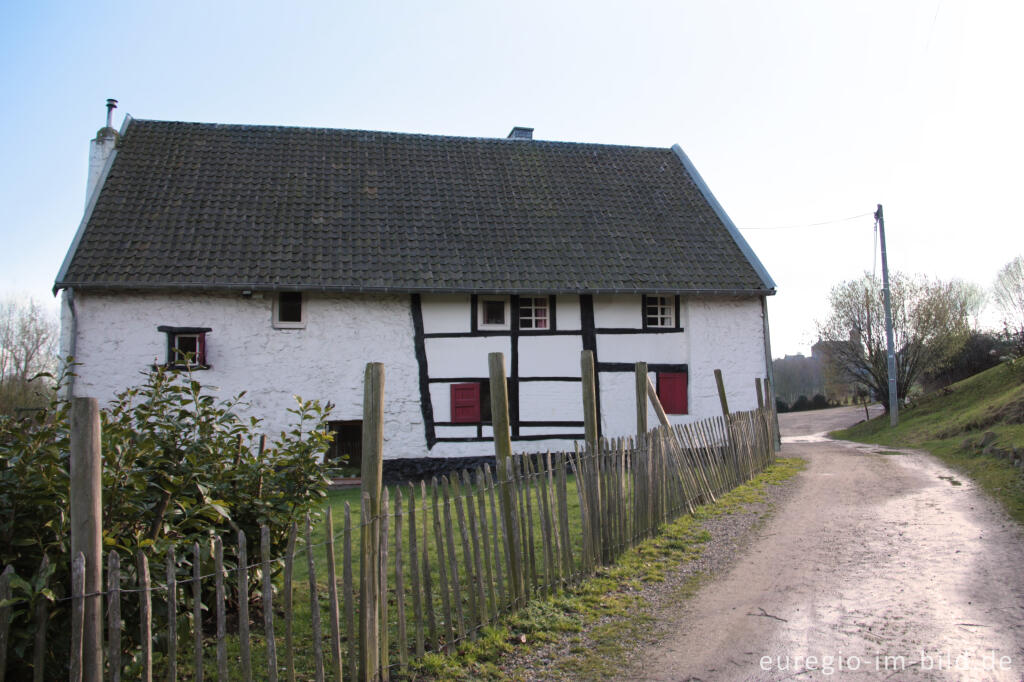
<point x="877" y="565"/>
<point x="730" y="533"/>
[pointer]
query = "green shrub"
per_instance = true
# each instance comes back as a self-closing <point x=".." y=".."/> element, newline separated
<point x="180" y="466"/>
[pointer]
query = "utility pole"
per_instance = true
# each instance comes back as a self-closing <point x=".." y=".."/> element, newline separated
<point x="894" y="403"/>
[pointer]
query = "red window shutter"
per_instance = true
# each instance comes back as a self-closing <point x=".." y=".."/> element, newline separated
<point x="466" y="403"/>
<point x="672" y="392"/>
<point x="201" y="349"/>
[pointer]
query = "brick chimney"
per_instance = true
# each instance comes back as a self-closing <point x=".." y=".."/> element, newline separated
<point x="100" y="150"/>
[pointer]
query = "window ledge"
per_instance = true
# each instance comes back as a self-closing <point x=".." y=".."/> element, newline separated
<point x="191" y="368"/>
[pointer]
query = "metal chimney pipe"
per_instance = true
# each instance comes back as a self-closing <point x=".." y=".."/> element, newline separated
<point x="111" y="105"/>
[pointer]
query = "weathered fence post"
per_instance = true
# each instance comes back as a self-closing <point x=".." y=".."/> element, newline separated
<point x="652" y="393"/>
<point x="769" y="399"/>
<point x="5" y="594"/>
<point x="589" y="399"/>
<point x="372" y="472"/>
<point x="503" y="460"/>
<point x="590" y="429"/>
<point x="77" y="622"/>
<point x="641" y="401"/>
<point x="721" y="392"/>
<point x="86" y="533"/>
<point x="145" y="615"/>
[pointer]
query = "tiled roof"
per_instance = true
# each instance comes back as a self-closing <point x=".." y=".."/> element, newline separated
<point x="262" y="207"/>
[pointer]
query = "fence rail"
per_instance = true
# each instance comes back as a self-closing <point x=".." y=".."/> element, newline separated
<point x="438" y="562"/>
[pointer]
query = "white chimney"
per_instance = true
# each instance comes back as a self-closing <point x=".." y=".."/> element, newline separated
<point x="100" y="150"/>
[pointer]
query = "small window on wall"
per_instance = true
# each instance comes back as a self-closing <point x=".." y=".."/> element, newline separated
<point x="471" y="403"/>
<point x="492" y="312"/>
<point x="289" y="311"/>
<point x="672" y="392"/>
<point x="534" y="312"/>
<point x="186" y="347"/>
<point x="659" y="311"/>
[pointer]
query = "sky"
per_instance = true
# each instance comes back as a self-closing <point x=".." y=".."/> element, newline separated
<point x="801" y="115"/>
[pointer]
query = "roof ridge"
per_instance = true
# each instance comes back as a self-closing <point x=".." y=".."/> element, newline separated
<point x="395" y="133"/>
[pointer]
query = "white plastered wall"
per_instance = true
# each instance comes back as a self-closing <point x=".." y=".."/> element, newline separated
<point x="117" y="340"/>
<point x="725" y="334"/>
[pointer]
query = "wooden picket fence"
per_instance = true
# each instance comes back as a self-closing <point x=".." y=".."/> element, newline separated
<point x="438" y="562"/>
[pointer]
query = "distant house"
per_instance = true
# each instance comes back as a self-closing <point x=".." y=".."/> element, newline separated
<point x="285" y="259"/>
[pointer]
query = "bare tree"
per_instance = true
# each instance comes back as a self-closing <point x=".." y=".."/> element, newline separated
<point x="931" y="321"/>
<point x="1008" y="294"/>
<point x="28" y="347"/>
<point x="975" y="299"/>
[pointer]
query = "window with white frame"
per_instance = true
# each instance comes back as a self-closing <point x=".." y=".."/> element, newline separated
<point x="534" y="312"/>
<point x="659" y="311"/>
<point x="492" y="312"/>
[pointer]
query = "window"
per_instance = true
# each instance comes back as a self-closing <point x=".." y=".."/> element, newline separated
<point x="471" y="403"/>
<point x="672" y="392"/>
<point x="533" y="312"/>
<point x="492" y="312"/>
<point x="186" y="347"/>
<point x="289" y="311"/>
<point x="659" y="311"/>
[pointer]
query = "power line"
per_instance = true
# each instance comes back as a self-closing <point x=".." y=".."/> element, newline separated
<point x="821" y="224"/>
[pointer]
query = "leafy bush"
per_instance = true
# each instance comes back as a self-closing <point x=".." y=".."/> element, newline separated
<point x="800" y="404"/>
<point x="820" y="402"/>
<point x="179" y="467"/>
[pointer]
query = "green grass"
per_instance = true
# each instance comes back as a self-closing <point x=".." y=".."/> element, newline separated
<point x="950" y="424"/>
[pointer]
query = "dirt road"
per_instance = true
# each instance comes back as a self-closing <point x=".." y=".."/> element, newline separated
<point x="881" y="565"/>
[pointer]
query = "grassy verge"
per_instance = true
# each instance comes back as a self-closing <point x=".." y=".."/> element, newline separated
<point x="606" y="616"/>
<point x="952" y="423"/>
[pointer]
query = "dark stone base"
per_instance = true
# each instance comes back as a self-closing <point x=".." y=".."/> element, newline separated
<point x="422" y="468"/>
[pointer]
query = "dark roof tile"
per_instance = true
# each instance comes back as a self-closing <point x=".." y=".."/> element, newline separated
<point x="228" y="206"/>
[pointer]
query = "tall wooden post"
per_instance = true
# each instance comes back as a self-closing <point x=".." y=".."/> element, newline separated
<point x="589" y="399"/>
<point x="372" y="473"/>
<point x="503" y="460"/>
<point x="591" y="432"/>
<point x="641" y="401"/>
<point x="86" y="525"/>
<point x="721" y="392"/>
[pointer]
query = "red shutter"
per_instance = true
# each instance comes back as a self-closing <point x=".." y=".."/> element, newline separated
<point x="672" y="392"/>
<point x="201" y="349"/>
<point x="466" y="403"/>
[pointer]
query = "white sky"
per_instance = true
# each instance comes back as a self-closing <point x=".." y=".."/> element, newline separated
<point x="795" y="112"/>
